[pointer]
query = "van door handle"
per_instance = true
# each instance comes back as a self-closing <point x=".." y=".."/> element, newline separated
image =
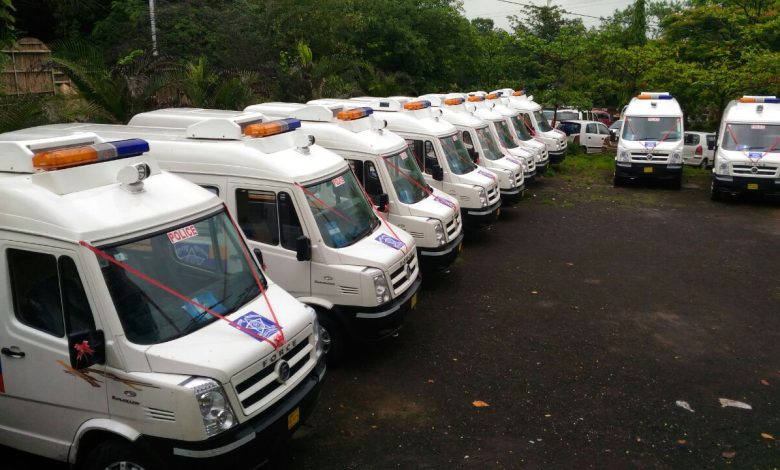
<point x="12" y="353"/>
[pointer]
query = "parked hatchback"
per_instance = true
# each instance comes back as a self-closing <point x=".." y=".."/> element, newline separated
<point x="699" y="149"/>
<point x="591" y="136"/>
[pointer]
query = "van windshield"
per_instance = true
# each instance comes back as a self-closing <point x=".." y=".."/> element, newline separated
<point x="521" y="128"/>
<point x="541" y="121"/>
<point x="504" y="136"/>
<point x="457" y="156"/>
<point x="204" y="261"/>
<point x="666" y="129"/>
<point x="489" y="146"/>
<point x="756" y="137"/>
<point x="341" y="210"/>
<point x="406" y="176"/>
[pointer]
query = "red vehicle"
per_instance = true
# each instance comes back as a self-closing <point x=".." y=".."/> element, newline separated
<point x="601" y="115"/>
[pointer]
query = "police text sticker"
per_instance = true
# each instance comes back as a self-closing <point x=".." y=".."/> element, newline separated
<point x="758" y="127"/>
<point x="182" y="234"/>
<point x="390" y="241"/>
<point x="654" y="119"/>
<point x="257" y="324"/>
<point x="338" y="181"/>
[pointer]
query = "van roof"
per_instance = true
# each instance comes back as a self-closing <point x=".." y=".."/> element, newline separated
<point x="274" y="158"/>
<point x="653" y="107"/>
<point x="738" y="112"/>
<point x="87" y="202"/>
<point x="366" y="134"/>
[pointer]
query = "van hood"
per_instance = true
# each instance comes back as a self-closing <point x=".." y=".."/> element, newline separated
<point x="376" y="249"/>
<point x="220" y="350"/>
<point x="430" y="207"/>
<point x="481" y="176"/>
<point x="647" y="146"/>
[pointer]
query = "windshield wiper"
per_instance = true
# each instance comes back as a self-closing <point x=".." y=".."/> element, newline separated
<point x="196" y="320"/>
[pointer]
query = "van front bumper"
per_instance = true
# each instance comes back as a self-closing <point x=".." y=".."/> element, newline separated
<point x="249" y="444"/>
<point x="634" y="170"/>
<point x="745" y="184"/>
<point x="439" y="259"/>
<point x="368" y="324"/>
<point x="541" y="168"/>
<point x="511" y="196"/>
<point x="480" y="218"/>
<point x="557" y="156"/>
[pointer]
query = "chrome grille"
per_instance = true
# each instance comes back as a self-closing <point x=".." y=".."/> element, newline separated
<point x="258" y="386"/>
<point x="760" y="170"/>
<point x="404" y="273"/>
<point x="656" y="157"/>
<point x="492" y="195"/>
<point x="453" y="227"/>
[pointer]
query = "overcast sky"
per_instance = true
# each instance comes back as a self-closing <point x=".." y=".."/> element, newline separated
<point x="498" y="11"/>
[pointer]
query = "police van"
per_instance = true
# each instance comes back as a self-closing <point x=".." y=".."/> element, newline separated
<point x="747" y="157"/>
<point x="302" y="210"/>
<point x="536" y="123"/>
<point x="138" y="330"/>
<point x="518" y="130"/>
<point x="482" y="147"/>
<point x="441" y="155"/>
<point x="650" y="145"/>
<point x="385" y="168"/>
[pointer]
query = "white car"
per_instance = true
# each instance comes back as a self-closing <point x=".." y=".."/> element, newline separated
<point x="591" y="136"/>
<point x="699" y="149"/>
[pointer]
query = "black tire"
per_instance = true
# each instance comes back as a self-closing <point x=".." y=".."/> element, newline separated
<point x="715" y="194"/>
<point x="617" y="181"/>
<point x="676" y="183"/>
<point x="118" y="453"/>
<point x="333" y="338"/>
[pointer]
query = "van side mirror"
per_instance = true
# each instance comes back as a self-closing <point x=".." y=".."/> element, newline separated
<point x="382" y="201"/>
<point x="302" y="248"/>
<point x="86" y="348"/>
<point x="438" y="173"/>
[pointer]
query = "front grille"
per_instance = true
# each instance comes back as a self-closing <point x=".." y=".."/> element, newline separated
<point x="655" y="157"/>
<point x="531" y="165"/>
<point x="492" y="195"/>
<point x="748" y="170"/>
<point x="518" y="179"/>
<point x="401" y="277"/>
<point x="416" y="234"/>
<point x="453" y="227"/>
<point x="258" y="386"/>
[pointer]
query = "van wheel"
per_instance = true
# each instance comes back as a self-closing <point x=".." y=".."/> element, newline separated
<point x="117" y="454"/>
<point x="715" y="195"/>
<point x="617" y="181"/>
<point x="333" y="340"/>
<point x="584" y="149"/>
<point x="676" y="183"/>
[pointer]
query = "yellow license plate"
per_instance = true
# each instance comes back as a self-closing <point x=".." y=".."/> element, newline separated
<point x="293" y="418"/>
<point x="752" y="186"/>
<point x="460" y="247"/>
<point x="414" y="300"/>
<point x="498" y="212"/>
<point x="648" y="169"/>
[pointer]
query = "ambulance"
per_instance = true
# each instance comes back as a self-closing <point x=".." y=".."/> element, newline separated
<point x="650" y="145"/>
<point x="518" y="130"/>
<point x="441" y="155"/>
<point x="747" y="157"/>
<point x="303" y="212"/>
<point x="499" y="128"/>
<point x="536" y="123"/>
<point x="383" y="165"/>
<point x="482" y="146"/>
<point x="138" y="330"/>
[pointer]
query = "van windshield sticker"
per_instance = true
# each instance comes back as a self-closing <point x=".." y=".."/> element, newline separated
<point x="259" y="325"/>
<point x="755" y="155"/>
<point x="338" y="181"/>
<point x="654" y="119"/>
<point x="183" y="233"/>
<point x="454" y="138"/>
<point x="485" y="173"/>
<point x="650" y="145"/>
<point x="390" y="241"/>
<point x="759" y="127"/>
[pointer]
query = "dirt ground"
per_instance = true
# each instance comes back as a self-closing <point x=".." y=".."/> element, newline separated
<point x="580" y="319"/>
<point x="577" y="322"/>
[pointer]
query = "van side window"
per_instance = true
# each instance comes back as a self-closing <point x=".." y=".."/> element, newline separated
<point x="257" y="216"/>
<point x="372" y="183"/>
<point x="78" y="314"/>
<point x="288" y="221"/>
<point x="357" y="168"/>
<point x="416" y="147"/>
<point x="430" y="156"/>
<point x="36" y="291"/>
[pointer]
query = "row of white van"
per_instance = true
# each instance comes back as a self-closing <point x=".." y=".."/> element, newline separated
<point x="746" y="151"/>
<point x="139" y="329"/>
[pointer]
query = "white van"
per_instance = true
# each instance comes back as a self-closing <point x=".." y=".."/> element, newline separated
<point x="747" y="157"/>
<point x="519" y="131"/>
<point x="137" y="330"/>
<point x="482" y="146"/>
<point x="650" y="143"/>
<point x="441" y="155"/>
<point x="302" y="211"/>
<point x="393" y="181"/>
<point x="536" y="123"/>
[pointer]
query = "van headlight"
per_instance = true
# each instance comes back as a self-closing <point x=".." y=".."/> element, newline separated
<point x="381" y="288"/>
<point x="623" y="156"/>
<point x="438" y="232"/>
<point x="510" y="176"/>
<point x="722" y="168"/>
<point x="213" y="404"/>
<point x="676" y="158"/>
<point x="482" y="197"/>
<point x="315" y="326"/>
